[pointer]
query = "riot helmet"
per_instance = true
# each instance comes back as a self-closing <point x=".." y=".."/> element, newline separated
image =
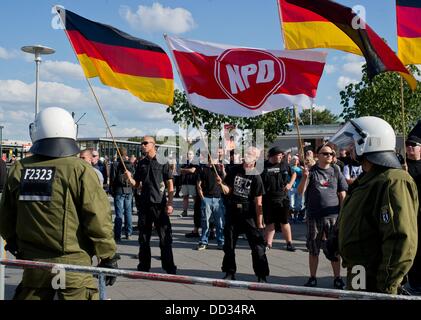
<point x="53" y="133"/>
<point x="370" y="137"/>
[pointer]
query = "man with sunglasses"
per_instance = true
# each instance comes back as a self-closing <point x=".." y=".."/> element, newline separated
<point x="378" y="219"/>
<point x="325" y="188"/>
<point x="413" y="160"/>
<point x="153" y="175"/>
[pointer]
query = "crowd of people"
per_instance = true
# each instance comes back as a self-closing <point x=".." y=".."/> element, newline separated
<point x="358" y="202"/>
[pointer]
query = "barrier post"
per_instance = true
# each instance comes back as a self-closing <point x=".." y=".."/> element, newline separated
<point x="2" y="269"/>
<point x="101" y="287"/>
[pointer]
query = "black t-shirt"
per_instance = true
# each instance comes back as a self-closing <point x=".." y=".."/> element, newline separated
<point x="153" y="177"/>
<point x="245" y="188"/>
<point x="414" y="170"/>
<point x="207" y="178"/>
<point x="275" y="177"/>
<point x="189" y="178"/>
<point x="119" y="182"/>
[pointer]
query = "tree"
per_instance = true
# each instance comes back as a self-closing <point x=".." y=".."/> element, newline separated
<point x="381" y="97"/>
<point x="273" y="123"/>
<point x="318" y="117"/>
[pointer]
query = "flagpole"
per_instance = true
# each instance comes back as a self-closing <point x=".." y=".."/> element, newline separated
<point x="106" y="123"/>
<point x="403" y="120"/>
<point x="191" y="106"/>
<point x="299" y="134"/>
<point x="93" y="92"/>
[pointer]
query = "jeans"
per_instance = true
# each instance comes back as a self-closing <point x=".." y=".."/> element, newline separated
<point x="216" y="207"/>
<point x="296" y="200"/>
<point x="123" y="208"/>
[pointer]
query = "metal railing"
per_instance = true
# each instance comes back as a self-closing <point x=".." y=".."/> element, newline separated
<point x="267" y="287"/>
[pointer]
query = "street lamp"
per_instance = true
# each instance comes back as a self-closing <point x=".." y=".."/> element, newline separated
<point x="37" y="50"/>
<point x="1" y="141"/>
<point x="106" y="129"/>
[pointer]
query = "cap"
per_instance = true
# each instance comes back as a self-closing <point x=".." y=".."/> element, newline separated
<point x="274" y="151"/>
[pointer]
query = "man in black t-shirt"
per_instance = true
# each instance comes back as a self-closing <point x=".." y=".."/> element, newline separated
<point x="276" y="200"/>
<point x="188" y="172"/>
<point x="212" y="203"/>
<point x="244" y="189"/>
<point x="152" y="176"/>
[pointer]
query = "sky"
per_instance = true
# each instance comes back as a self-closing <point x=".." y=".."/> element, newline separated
<point x="249" y="23"/>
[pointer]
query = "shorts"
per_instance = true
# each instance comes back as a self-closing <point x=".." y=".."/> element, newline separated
<point x="276" y="212"/>
<point x="188" y="190"/>
<point x="316" y="229"/>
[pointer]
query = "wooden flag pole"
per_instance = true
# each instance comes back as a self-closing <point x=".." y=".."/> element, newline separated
<point x="203" y="138"/>
<point x="299" y="134"/>
<point x="403" y="122"/>
<point x="106" y="123"/>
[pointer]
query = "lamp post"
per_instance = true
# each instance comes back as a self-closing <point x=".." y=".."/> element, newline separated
<point x="37" y="50"/>
<point x="1" y="141"/>
<point x="106" y="129"/>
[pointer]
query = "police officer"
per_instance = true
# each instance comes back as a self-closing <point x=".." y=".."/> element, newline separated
<point x="244" y="189"/>
<point x="152" y="175"/>
<point x="378" y="220"/>
<point x="276" y="201"/>
<point x="53" y="210"/>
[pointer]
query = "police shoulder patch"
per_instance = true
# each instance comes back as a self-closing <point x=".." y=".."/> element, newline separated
<point x="385" y="215"/>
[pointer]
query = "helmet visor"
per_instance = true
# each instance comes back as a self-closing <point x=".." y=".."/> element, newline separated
<point x="345" y="137"/>
<point x="350" y="135"/>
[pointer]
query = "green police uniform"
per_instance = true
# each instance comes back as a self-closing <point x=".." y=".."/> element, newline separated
<point x="57" y="213"/>
<point x="378" y="228"/>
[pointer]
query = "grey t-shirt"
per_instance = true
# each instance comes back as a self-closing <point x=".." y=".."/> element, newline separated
<point x="321" y="195"/>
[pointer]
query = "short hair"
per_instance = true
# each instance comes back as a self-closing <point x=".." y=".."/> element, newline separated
<point x="322" y="146"/>
<point x="87" y="150"/>
<point x="123" y="151"/>
<point x="150" y="137"/>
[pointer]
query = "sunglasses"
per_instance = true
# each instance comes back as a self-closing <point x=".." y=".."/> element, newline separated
<point x="412" y="144"/>
<point x="327" y="153"/>
<point x="144" y="143"/>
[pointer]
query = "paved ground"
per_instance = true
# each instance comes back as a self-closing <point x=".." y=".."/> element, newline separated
<point x="289" y="268"/>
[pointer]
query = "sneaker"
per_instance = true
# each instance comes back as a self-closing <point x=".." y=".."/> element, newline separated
<point x="201" y="246"/>
<point x="311" y="282"/>
<point x="128" y="237"/>
<point x="192" y="235"/>
<point x="338" y="283"/>
<point x="262" y="279"/>
<point x="183" y="214"/>
<point x="229" y="276"/>
<point x="290" y="247"/>
<point x="268" y="248"/>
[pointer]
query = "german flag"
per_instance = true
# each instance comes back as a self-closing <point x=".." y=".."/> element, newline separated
<point x="120" y="60"/>
<point x="408" y="14"/>
<point x="326" y="24"/>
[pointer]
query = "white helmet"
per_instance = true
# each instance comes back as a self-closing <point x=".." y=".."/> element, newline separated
<point x="53" y="133"/>
<point x="372" y="137"/>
